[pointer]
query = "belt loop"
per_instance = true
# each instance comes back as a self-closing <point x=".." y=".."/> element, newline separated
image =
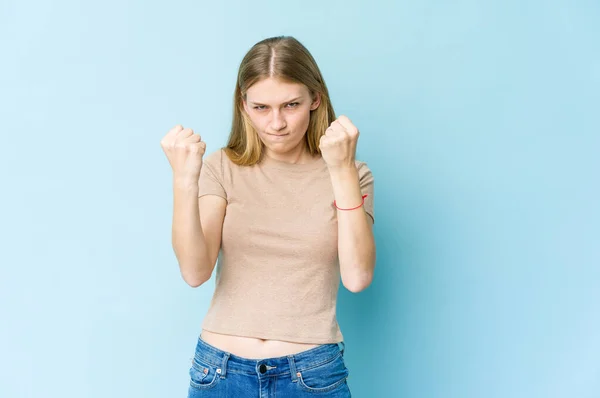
<point x="293" y="368"/>
<point x="224" y="365"/>
<point x="342" y="346"/>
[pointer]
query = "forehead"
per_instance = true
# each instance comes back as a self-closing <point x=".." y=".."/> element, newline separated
<point x="273" y="90"/>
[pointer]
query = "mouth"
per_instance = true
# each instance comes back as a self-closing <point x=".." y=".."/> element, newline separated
<point x="278" y="135"/>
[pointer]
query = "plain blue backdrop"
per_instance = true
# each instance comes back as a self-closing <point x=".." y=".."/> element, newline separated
<point x="480" y="121"/>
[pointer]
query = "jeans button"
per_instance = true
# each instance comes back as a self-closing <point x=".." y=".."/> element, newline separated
<point x="263" y="368"/>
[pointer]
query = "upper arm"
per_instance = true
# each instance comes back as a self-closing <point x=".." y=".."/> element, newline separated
<point x="212" y="214"/>
<point x="212" y="202"/>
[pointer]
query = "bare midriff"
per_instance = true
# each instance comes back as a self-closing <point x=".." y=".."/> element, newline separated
<point x="253" y="348"/>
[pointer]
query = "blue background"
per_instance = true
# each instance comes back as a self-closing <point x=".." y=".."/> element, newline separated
<point x="479" y="120"/>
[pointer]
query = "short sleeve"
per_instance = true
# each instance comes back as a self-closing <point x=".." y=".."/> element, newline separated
<point x="367" y="187"/>
<point x="211" y="176"/>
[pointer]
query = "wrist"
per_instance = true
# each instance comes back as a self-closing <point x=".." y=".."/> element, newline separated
<point x="344" y="172"/>
<point x="185" y="182"/>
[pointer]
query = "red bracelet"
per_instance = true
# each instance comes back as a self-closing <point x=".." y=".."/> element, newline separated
<point x="363" y="202"/>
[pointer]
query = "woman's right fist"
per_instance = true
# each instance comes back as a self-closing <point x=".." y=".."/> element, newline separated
<point x="184" y="149"/>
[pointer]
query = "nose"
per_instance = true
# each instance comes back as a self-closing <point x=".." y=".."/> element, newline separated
<point x="278" y="122"/>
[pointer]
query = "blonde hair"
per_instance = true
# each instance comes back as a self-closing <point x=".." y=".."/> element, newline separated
<point x="284" y="58"/>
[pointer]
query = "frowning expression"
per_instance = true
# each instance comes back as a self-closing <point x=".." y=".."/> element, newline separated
<point x="280" y="112"/>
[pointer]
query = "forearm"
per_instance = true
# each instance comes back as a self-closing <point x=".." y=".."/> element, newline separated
<point x="356" y="244"/>
<point x="188" y="239"/>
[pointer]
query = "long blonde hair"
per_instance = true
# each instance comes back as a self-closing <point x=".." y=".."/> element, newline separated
<point x="284" y="58"/>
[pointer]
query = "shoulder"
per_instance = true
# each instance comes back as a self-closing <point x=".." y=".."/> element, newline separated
<point x="214" y="158"/>
<point x="363" y="170"/>
<point x="217" y="160"/>
<point x="212" y="163"/>
<point x="220" y="163"/>
<point x="360" y="164"/>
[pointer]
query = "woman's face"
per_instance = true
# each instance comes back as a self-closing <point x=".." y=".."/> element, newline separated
<point x="280" y="113"/>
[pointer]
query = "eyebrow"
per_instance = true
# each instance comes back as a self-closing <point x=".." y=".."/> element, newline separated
<point x="286" y="102"/>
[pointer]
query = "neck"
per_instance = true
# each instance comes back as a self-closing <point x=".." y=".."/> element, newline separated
<point x="298" y="155"/>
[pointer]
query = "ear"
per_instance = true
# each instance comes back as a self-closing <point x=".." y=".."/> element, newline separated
<point x="316" y="102"/>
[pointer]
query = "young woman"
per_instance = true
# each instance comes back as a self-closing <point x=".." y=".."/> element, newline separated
<point x="287" y="211"/>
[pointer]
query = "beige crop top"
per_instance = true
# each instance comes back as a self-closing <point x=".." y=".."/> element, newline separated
<point x="277" y="275"/>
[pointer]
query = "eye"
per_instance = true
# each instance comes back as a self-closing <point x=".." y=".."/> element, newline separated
<point x="294" y="103"/>
<point x="259" y="107"/>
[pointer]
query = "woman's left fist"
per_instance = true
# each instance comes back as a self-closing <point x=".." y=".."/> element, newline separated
<point x="338" y="144"/>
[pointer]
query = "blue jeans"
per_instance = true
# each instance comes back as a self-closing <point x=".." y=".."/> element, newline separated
<point x="317" y="372"/>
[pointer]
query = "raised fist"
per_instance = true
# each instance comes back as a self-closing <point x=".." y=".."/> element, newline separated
<point x="184" y="149"/>
<point x="338" y="144"/>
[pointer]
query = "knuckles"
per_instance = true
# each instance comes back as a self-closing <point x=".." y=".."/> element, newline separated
<point x="347" y="130"/>
<point x="182" y="139"/>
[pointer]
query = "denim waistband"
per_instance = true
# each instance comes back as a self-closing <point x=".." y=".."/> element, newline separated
<point x="289" y="364"/>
